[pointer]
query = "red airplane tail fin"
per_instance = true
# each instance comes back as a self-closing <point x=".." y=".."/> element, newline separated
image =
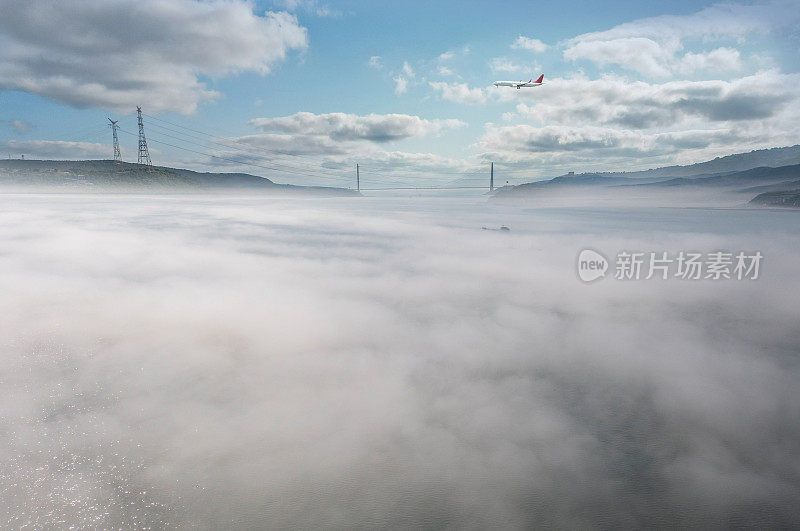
<point x="540" y="78"/>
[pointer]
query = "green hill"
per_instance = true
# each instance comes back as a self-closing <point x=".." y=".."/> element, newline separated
<point x="107" y="175"/>
<point x="88" y="174"/>
<point x="789" y="198"/>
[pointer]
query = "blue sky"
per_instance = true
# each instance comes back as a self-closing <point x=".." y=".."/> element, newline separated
<point x="301" y="90"/>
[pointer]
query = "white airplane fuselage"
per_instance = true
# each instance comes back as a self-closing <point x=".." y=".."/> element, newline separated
<point x="517" y="84"/>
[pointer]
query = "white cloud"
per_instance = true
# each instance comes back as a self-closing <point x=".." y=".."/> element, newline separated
<point x="450" y="54"/>
<point x="348" y="127"/>
<point x="458" y="92"/>
<point x="655" y="46"/>
<point x="504" y="64"/>
<point x="403" y="79"/>
<point x="721" y="59"/>
<point x="327" y="11"/>
<point x="20" y="126"/>
<point x="400" y="85"/>
<point x="291" y="5"/>
<point x="313" y="7"/>
<point x="444" y="71"/>
<point x="555" y="148"/>
<point x="57" y="149"/>
<point x="272" y="146"/>
<point x="766" y="96"/>
<point x="600" y="122"/>
<point x="375" y="62"/>
<point x="526" y="139"/>
<point x="314" y="144"/>
<point x="527" y="43"/>
<point x="116" y="54"/>
<point x="414" y="166"/>
<point x="188" y="362"/>
<point x="314" y="160"/>
<point x="635" y="53"/>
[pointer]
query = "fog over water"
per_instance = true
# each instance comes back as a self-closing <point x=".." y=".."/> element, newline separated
<point x="381" y="362"/>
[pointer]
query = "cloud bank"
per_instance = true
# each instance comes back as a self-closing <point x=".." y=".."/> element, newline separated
<point x="118" y="53"/>
<point x="459" y="92"/>
<point x="298" y="364"/>
<point x="378" y="128"/>
<point x="336" y="141"/>
<point x="528" y="43"/>
<point x="20" y="126"/>
<point x="594" y="124"/>
<point x="57" y="149"/>
<point x="655" y="46"/>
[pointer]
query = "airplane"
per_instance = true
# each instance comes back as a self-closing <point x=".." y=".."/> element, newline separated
<point x="519" y="84"/>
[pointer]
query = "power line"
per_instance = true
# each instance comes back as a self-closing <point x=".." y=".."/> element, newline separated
<point x="239" y="147"/>
<point x="437" y="172"/>
<point x="228" y="159"/>
<point x="274" y="166"/>
<point x="206" y="154"/>
<point x="236" y="146"/>
<point x="92" y="137"/>
<point x="250" y="150"/>
<point x="286" y="167"/>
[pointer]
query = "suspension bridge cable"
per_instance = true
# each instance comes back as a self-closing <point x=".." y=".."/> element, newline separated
<point x="250" y="152"/>
<point x="279" y="165"/>
<point x="203" y="153"/>
<point x="251" y="148"/>
<point x="236" y="146"/>
<point x="272" y="166"/>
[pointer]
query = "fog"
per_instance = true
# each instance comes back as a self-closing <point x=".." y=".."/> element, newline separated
<point x="383" y="362"/>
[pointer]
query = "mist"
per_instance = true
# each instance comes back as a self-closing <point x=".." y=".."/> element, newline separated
<point x="232" y="362"/>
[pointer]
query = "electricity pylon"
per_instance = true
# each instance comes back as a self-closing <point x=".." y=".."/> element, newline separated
<point x="144" y="155"/>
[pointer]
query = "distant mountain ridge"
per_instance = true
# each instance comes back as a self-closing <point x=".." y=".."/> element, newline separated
<point x="760" y="161"/>
<point x="773" y="157"/>
<point x="754" y="176"/>
<point x="588" y="179"/>
<point x="775" y="178"/>
<point x="748" y="181"/>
